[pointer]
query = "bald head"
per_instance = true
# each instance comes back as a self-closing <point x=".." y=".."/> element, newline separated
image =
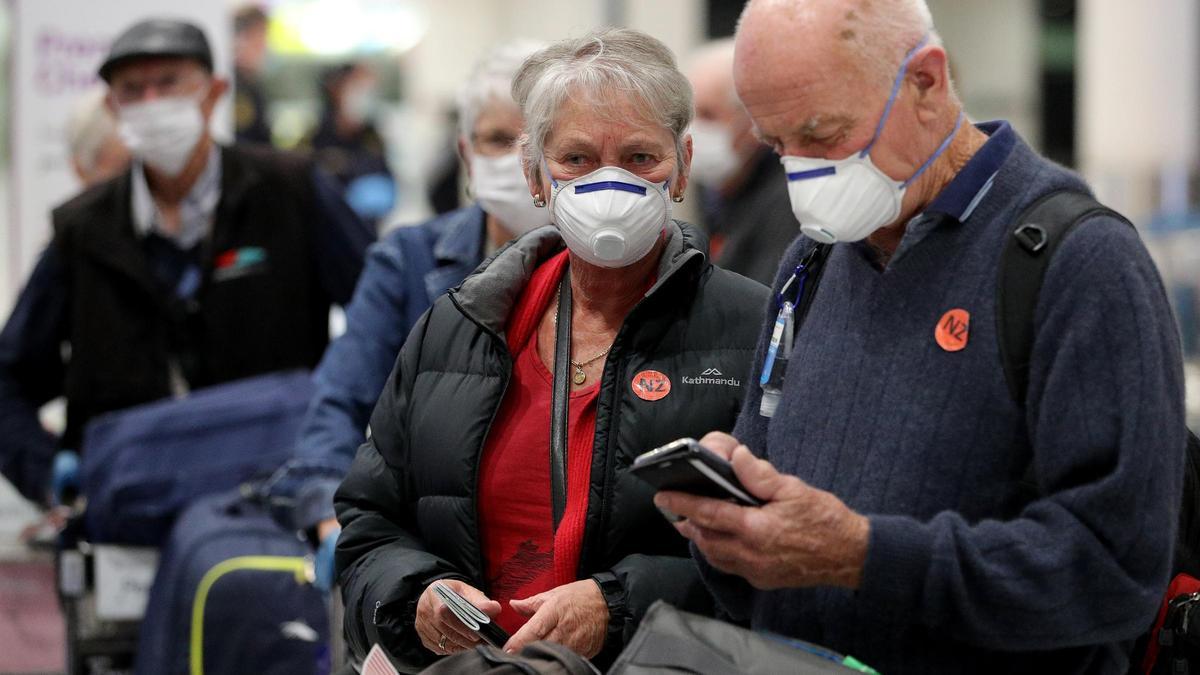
<point x="865" y="37"/>
<point x="825" y="79"/>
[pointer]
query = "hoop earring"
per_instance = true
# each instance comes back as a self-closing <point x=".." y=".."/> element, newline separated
<point x="678" y="199"/>
<point x="539" y="202"/>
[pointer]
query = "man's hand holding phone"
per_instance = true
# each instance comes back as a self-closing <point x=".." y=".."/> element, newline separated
<point x="687" y="466"/>
<point x="800" y="536"/>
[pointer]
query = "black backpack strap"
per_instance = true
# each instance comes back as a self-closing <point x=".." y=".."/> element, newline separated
<point x="1187" y="544"/>
<point x="1032" y="240"/>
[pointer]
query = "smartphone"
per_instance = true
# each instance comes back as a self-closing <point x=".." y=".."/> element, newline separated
<point x="686" y="466"/>
<point x="471" y="617"/>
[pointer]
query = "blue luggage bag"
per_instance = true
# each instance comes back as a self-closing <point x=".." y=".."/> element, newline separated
<point x="142" y="466"/>
<point x="234" y="594"/>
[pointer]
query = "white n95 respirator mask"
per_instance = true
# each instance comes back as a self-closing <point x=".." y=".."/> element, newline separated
<point x="849" y="199"/>
<point x="610" y="217"/>
<point x="713" y="159"/>
<point x="499" y="186"/>
<point x="162" y="132"/>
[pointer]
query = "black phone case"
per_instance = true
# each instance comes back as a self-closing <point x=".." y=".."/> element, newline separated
<point x="676" y="472"/>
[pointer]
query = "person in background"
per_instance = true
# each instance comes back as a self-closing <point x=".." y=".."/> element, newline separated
<point x="404" y="274"/>
<point x="199" y="264"/>
<point x="442" y="187"/>
<point x="456" y="482"/>
<point x="744" y="195"/>
<point x="918" y="514"/>
<point x="346" y="143"/>
<point x="249" y="53"/>
<point x="97" y="152"/>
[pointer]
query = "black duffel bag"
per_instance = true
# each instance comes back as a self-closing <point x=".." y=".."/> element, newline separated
<point x="680" y="642"/>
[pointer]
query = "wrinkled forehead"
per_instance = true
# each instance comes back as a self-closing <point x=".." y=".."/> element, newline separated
<point x="606" y="114"/>
<point x="139" y="71"/>
<point x="807" y="84"/>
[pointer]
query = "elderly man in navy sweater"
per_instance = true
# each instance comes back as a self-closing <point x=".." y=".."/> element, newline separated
<point x="896" y="526"/>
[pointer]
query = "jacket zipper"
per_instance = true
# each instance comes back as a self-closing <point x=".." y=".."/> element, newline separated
<point x="609" y="449"/>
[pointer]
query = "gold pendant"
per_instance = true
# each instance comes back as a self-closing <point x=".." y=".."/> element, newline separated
<point x="580" y="376"/>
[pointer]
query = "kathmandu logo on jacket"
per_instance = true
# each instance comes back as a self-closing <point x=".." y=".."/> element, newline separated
<point x="712" y="376"/>
<point x="239" y="262"/>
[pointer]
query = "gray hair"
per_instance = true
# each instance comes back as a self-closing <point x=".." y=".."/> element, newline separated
<point x="89" y="127"/>
<point x="594" y="67"/>
<point x="490" y="82"/>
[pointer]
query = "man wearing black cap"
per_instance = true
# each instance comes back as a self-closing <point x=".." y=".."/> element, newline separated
<point x="201" y="264"/>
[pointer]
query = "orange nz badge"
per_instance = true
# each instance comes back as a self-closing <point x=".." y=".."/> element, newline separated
<point x="651" y="385"/>
<point x="953" y="329"/>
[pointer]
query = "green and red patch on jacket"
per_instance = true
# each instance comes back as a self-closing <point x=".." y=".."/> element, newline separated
<point x="238" y="262"/>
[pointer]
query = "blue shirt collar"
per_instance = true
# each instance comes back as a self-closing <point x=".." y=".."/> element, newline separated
<point x="462" y="240"/>
<point x="960" y="197"/>
<point x="957" y="201"/>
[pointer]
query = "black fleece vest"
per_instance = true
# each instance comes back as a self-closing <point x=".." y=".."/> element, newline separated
<point x="260" y="306"/>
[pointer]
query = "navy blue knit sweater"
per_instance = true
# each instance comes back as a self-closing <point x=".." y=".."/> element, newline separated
<point x="966" y="572"/>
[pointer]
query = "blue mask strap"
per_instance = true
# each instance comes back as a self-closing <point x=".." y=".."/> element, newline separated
<point x="937" y="153"/>
<point x="546" y="168"/>
<point x="895" y="92"/>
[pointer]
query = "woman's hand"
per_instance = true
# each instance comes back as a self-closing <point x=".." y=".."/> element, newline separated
<point x="574" y="615"/>
<point x="441" y="632"/>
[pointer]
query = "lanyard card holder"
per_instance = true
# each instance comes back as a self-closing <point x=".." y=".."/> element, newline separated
<point x="805" y="278"/>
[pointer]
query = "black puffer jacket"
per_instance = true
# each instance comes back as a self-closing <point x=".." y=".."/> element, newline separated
<point x="408" y="507"/>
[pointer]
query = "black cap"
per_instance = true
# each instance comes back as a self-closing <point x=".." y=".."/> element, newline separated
<point x="158" y="37"/>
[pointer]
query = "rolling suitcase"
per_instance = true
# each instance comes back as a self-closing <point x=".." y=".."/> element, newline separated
<point x="234" y="594"/>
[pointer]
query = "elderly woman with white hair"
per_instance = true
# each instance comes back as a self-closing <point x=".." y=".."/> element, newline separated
<point x="500" y="449"/>
<point x="403" y="275"/>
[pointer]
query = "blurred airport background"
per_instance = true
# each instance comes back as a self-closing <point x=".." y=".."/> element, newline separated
<point x="1109" y="87"/>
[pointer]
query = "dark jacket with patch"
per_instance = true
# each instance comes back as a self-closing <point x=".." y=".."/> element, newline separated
<point x="408" y="508"/>
<point x="269" y="313"/>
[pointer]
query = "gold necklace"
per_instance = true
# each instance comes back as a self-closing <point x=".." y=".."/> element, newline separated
<point x="579" y="377"/>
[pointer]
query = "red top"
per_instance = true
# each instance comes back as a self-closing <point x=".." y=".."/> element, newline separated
<point x="523" y="555"/>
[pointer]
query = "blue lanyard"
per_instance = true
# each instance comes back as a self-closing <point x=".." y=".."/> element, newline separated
<point x="779" y="350"/>
<point x="781" y="335"/>
<point x="799" y="277"/>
